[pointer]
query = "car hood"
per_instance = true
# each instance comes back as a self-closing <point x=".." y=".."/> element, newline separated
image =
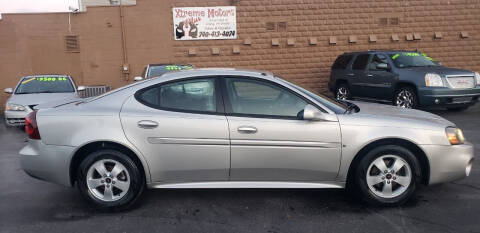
<point x="441" y="70"/>
<point x="41" y="98"/>
<point x="386" y="115"/>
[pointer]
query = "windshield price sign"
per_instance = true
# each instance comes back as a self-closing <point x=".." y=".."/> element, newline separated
<point x="205" y="23"/>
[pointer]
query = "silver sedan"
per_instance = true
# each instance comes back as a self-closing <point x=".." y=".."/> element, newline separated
<point x="227" y="128"/>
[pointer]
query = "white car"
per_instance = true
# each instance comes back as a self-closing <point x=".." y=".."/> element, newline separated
<point x="34" y="90"/>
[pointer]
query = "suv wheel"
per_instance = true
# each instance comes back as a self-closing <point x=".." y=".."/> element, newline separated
<point x="342" y="92"/>
<point x="386" y="176"/>
<point x="110" y="180"/>
<point x="405" y="97"/>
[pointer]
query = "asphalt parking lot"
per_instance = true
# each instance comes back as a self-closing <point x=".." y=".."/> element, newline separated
<point x="29" y="205"/>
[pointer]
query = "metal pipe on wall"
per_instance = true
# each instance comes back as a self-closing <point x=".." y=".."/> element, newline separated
<point x="125" y="68"/>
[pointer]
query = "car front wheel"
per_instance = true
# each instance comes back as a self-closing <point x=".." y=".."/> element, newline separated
<point x="386" y="176"/>
<point x="110" y="180"/>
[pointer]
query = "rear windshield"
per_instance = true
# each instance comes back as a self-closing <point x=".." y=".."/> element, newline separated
<point x="412" y="59"/>
<point x="45" y="84"/>
<point x="157" y="70"/>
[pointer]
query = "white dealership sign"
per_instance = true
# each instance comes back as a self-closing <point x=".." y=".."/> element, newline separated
<point x="205" y="23"/>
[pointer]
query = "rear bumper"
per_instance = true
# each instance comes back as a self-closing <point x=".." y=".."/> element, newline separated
<point x="15" y="118"/>
<point x="446" y="97"/>
<point x="449" y="163"/>
<point x="47" y="162"/>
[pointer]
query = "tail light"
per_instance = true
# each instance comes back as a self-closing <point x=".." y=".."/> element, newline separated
<point x="31" y="127"/>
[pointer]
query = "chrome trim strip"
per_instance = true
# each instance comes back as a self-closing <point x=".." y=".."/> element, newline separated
<point x="240" y="142"/>
<point x="248" y="184"/>
<point x="189" y="141"/>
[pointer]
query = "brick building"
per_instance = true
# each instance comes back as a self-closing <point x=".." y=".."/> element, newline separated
<point x="296" y="39"/>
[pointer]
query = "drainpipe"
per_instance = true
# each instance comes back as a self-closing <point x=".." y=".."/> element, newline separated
<point x="125" y="66"/>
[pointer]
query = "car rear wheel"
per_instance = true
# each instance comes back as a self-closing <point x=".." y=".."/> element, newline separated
<point x="405" y="97"/>
<point x="110" y="180"/>
<point x="342" y="92"/>
<point x="386" y="176"/>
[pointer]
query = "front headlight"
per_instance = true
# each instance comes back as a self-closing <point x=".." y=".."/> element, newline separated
<point x="454" y="135"/>
<point x="477" y="77"/>
<point x="433" y="80"/>
<point x="14" y="107"/>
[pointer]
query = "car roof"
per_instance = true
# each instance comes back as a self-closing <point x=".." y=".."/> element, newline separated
<point x="381" y="51"/>
<point x="217" y="71"/>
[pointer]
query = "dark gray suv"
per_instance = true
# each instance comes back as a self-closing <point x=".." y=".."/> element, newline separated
<point x="407" y="79"/>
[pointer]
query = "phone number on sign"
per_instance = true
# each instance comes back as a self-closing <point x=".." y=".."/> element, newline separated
<point x="218" y="34"/>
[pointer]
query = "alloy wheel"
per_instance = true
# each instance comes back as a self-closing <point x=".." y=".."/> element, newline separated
<point x="389" y="176"/>
<point x="108" y="180"/>
<point x="342" y="93"/>
<point x="404" y="99"/>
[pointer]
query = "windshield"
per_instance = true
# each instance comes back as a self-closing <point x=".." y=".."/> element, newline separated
<point x="157" y="70"/>
<point x="412" y="59"/>
<point x="332" y="104"/>
<point x="45" y="84"/>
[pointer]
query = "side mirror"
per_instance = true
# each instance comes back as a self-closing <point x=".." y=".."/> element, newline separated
<point x="383" y="66"/>
<point x="310" y="113"/>
<point x="138" y="78"/>
<point x="8" y="90"/>
<point x="81" y="88"/>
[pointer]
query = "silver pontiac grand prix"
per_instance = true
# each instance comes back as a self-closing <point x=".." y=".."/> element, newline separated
<point x="228" y="128"/>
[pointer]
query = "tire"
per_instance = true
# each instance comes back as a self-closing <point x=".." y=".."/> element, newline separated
<point x="405" y="97"/>
<point x="458" y="109"/>
<point x="126" y="183"/>
<point x="402" y="182"/>
<point x="342" y="92"/>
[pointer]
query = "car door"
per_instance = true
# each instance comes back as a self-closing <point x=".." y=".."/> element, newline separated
<point x="269" y="142"/>
<point x="181" y="130"/>
<point x="359" y="75"/>
<point x="379" y="82"/>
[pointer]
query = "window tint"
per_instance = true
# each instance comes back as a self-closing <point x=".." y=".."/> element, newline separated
<point x="377" y="59"/>
<point x="342" y="62"/>
<point x="360" y="62"/>
<point x="192" y="95"/>
<point x="262" y="98"/>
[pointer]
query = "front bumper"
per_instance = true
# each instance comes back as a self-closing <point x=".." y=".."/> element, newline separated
<point x="47" y="162"/>
<point x="445" y="97"/>
<point x="449" y="163"/>
<point x="16" y="118"/>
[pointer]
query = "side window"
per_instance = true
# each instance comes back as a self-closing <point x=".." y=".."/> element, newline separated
<point x="342" y="62"/>
<point x="255" y="97"/>
<point x="377" y="59"/>
<point x="191" y="95"/>
<point x="360" y="62"/>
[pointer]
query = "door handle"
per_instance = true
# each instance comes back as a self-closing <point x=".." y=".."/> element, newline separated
<point x="147" y="124"/>
<point x="247" y="129"/>
<point x="369" y="75"/>
<point x="351" y="74"/>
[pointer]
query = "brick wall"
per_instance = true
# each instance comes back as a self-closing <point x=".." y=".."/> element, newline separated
<point x="34" y="43"/>
<point x="309" y="65"/>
